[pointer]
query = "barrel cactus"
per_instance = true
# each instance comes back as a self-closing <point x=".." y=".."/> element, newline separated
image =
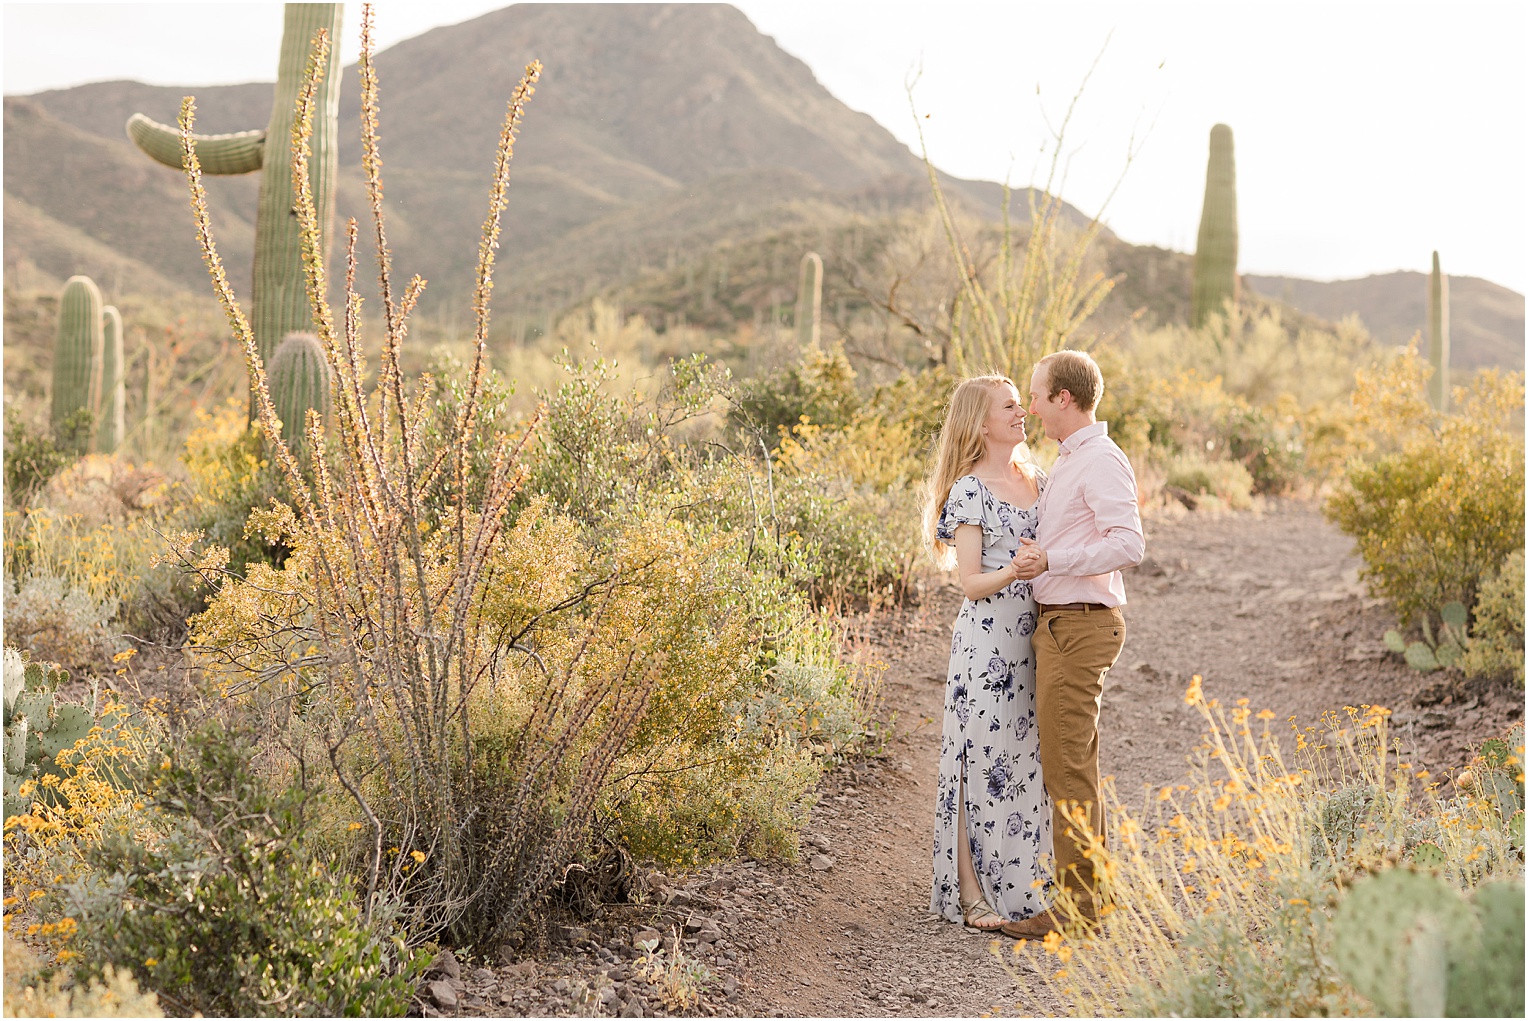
<point x="1411" y="943"/>
<point x="37" y="726"/>
<point x="112" y="416"/>
<point x="809" y="302"/>
<point x="77" y="353"/>
<point x="1437" y="336"/>
<point x="1215" y="280"/>
<point x="280" y="303"/>
<point x="298" y="375"/>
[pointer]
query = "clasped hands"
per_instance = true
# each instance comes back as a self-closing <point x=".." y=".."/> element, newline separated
<point x="1030" y="562"/>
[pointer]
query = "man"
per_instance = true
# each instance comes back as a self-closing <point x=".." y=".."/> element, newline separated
<point x="1090" y="530"/>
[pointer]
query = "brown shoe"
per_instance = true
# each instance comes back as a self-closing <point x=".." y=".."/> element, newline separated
<point x="1037" y="927"/>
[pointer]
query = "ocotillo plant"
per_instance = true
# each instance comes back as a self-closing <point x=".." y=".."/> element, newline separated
<point x="112" y="414"/>
<point x="809" y="302"/>
<point x="1437" y="336"/>
<point x="298" y="376"/>
<point x="77" y="349"/>
<point x="1215" y="254"/>
<point x="280" y="291"/>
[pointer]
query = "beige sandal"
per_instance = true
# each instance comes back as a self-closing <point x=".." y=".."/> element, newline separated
<point x="978" y="914"/>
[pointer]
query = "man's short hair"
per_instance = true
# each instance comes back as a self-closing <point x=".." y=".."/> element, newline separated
<point x="1077" y="373"/>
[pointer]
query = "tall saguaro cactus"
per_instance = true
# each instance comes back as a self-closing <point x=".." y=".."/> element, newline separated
<point x="280" y="286"/>
<point x="1437" y="336"/>
<point x="112" y="416"/>
<point x="77" y="355"/>
<point x="809" y="302"/>
<point x="1215" y="254"/>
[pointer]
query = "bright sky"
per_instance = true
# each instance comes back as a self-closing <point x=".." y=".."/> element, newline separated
<point x="1367" y="133"/>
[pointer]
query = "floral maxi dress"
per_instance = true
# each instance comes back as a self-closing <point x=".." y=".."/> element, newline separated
<point x="990" y="738"/>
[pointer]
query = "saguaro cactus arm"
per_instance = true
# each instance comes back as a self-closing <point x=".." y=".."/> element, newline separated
<point x="240" y="153"/>
<point x="111" y="416"/>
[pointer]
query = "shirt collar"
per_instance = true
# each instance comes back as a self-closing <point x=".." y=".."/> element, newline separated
<point x="1081" y="436"/>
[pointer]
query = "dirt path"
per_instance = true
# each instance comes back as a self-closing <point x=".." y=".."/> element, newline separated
<point x="1263" y="605"/>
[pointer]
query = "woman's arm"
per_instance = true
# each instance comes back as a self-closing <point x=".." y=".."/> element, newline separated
<point x="976" y="583"/>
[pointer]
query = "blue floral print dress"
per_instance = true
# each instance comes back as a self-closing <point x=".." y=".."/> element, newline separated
<point x="990" y="737"/>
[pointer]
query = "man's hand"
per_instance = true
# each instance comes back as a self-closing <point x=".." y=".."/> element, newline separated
<point x="1030" y="562"/>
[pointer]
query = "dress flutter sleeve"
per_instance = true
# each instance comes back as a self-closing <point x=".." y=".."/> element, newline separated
<point x="967" y="505"/>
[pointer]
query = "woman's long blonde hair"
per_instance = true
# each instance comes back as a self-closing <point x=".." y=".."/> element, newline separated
<point x="961" y="446"/>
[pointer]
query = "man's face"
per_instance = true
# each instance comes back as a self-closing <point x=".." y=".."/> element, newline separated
<point x="1040" y="403"/>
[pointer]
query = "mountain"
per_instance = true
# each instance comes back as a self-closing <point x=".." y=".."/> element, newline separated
<point x="1485" y="319"/>
<point x="645" y="114"/>
<point x="662" y="138"/>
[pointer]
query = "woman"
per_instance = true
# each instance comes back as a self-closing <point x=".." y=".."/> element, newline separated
<point x="992" y="817"/>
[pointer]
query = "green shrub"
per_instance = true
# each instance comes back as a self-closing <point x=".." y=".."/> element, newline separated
<point x="32" y="458"/>
<point x="819" y="389"/>
<point x="1227" y="481"/>
<point x="1436" y="504"/>
<point x="224" y="912"/>
<point x="1496" y="639"/>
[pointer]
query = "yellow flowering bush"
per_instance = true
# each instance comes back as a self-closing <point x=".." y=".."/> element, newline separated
<point x="1218" y="895"/>
<point x="1434" y="501"/>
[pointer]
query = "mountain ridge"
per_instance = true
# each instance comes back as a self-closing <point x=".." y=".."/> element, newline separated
<point x="658" y="133"/>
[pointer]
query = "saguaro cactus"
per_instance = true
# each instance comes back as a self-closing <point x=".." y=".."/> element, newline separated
<point x="1437" y="336"/>
<point x="280" y="296"/>
<point x="112" y="416"/>
<point x="298" y="375"/>
<point x="809" y="302"/>
<point x="1215" y="277"/>
<point x="77" y="350"/>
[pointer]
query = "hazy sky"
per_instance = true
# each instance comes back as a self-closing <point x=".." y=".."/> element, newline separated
<point x="1367" y="133"/>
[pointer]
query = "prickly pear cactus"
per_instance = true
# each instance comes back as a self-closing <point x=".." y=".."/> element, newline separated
<point x="1437" y="336"/>
<point x="112" y="417"/>
<point x="37" y="727"/>
<point x="1427" y="855"/>
<point x="1489" y="982"/>
<point x="1379" y="920"/>
<point x="280" y="288"/>
<point x="299" y="380"/>
<point x="1215" y="255"/>
<point x="809" y="302"/>
<point x="77" y="351"/>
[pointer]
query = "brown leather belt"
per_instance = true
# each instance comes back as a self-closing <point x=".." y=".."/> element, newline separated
<point x="1049" y="607"/>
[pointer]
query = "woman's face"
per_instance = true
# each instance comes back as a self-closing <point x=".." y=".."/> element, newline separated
<point x="1005" y="417"/>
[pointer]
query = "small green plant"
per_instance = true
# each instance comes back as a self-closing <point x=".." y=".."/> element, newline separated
<point x="34" y="457"/>
<point x="1444" y="650"/>
<point x="1496" y="640"/>
<point x="37" y="727"/>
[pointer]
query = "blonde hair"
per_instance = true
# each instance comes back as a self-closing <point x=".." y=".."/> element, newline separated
<point x="961" y="446"/>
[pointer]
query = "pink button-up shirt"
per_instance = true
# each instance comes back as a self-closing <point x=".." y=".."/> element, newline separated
<point x="1090" y="522"/>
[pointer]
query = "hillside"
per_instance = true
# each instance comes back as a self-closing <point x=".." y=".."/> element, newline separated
<point x="662" y="138"/>
<point x="1485" y="319"/>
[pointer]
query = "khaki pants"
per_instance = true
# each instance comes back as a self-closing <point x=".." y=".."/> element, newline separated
<point x="1073" y="651"/>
